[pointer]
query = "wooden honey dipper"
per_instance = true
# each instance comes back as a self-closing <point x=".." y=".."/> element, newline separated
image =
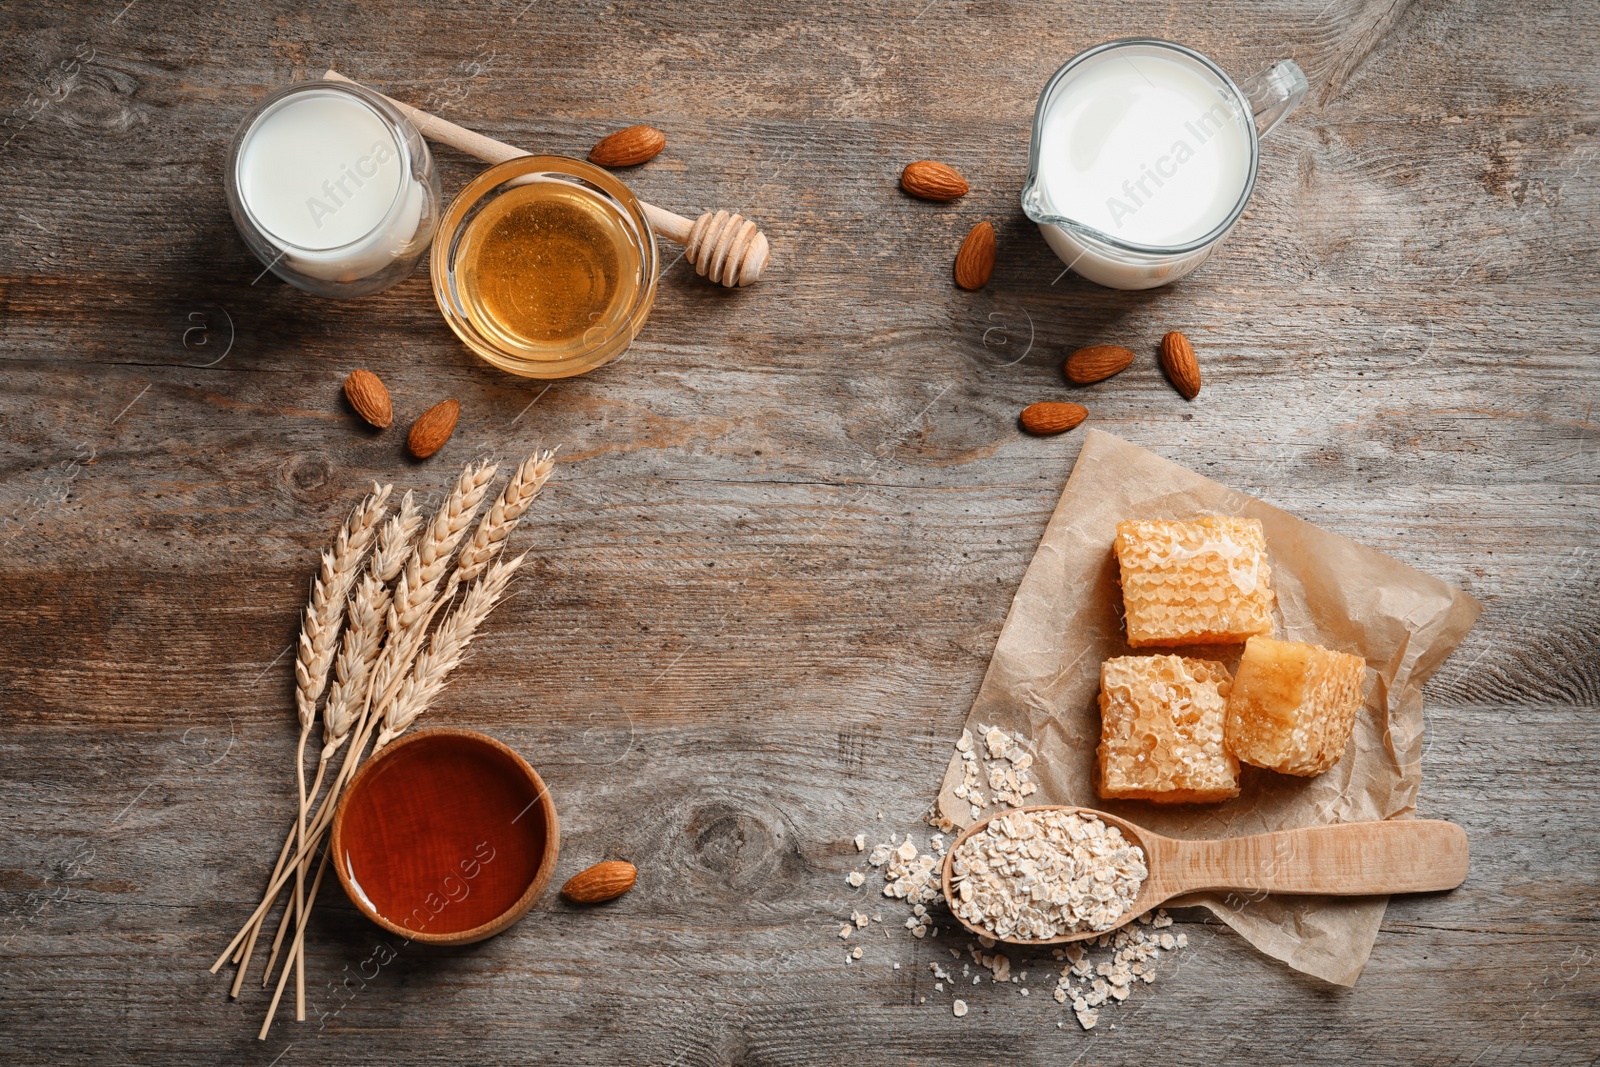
<point x="728" y="249"/>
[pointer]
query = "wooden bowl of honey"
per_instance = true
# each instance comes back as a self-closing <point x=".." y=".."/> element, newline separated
<point x="445" y="837"/>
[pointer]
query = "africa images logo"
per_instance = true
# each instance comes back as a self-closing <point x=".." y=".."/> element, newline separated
<point x="365" y="168"/>
<point x="1211" y="123"/>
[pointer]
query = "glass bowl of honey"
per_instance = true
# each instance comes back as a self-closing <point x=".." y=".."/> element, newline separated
<point x="545" y="266"/>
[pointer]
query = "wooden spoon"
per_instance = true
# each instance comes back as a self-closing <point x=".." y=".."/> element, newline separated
<point x="727" y="248"/>
<point x="1346" y="859"/>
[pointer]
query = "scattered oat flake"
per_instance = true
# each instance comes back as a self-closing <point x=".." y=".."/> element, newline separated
<point x="844" y="931"/>
<point x="856" y="954"/>
<point x="861" y="842"/>
<point x="959" y="1007"/>
<point x="856" y="878"/>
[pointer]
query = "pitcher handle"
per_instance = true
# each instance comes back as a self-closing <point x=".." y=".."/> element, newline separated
<point x="1274" y="93"/>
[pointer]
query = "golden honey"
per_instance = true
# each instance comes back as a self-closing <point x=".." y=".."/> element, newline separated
<point x="548" y="270"/>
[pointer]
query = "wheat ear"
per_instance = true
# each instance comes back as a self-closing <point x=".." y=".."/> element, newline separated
<point x="319" y="634"/>
<point x="363" y="638"/>
<point x="496" y="525"/>
<point x="503" y="516"/>
<point x="445" y="650"/>
<point x="418" y="587"/>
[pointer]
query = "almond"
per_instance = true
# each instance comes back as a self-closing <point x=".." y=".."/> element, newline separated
<point x="370" y="399"/>
<point x="600" y="883"/>
<point x="975" y="261"/>
<point x="1049" y="416"/>
<point x="433" y="428"/>
<point x="932" y="181"/>
<point x="1177" y="359"/>
<point x="629" y="147"/>
<point x="1097" y="363"/>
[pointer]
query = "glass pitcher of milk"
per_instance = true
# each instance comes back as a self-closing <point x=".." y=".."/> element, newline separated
<point x="1144" y="155"/>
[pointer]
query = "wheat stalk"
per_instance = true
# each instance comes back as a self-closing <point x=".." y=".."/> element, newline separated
<point x="399" y="702"/>
<point x="358" y="652"/>
<point x="319" y="636"/>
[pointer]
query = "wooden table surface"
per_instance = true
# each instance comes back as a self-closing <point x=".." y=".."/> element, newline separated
<point x="788" y="523"/>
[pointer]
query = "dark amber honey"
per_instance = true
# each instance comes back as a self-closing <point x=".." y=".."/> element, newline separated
<point x="442" y="835"/>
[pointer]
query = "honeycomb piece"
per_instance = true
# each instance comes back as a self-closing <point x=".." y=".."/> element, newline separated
<point x="1161" y="723"/>
<point x="1293" y="705"/>
<point x="1194" y="583"/>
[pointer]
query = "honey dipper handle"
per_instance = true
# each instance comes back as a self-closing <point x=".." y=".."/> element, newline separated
<point x="730" y="253"/>
<point x="1349" y="859"/>
<point x="437" y="129"/>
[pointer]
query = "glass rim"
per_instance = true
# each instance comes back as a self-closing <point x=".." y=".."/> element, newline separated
<point x="396" y="124"/>
<point x="1094" y="234"/>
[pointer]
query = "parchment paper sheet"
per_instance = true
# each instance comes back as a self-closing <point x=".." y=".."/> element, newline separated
<point x="1045" y="677"/>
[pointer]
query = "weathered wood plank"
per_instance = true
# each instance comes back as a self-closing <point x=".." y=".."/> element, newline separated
<point x="790" y="521"/>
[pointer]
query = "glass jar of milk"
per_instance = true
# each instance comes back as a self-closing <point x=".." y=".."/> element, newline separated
<point x="1144" y="155"/>
<point x="333" y="189"/>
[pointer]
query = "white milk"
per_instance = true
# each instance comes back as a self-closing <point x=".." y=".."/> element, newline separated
<point x="1144" y="149"/>
<point x="1138" y="143"/>
<point x="326" y="178"/>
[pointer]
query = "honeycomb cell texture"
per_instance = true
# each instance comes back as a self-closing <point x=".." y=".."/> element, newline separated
<point x="1204" y="582"/>
<point x="1293" y="705"/>
<point x="1161" y="730"/>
